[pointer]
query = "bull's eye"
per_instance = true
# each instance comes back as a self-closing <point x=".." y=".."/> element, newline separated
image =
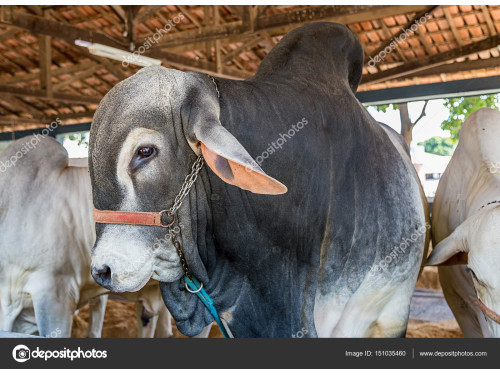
<point x="143" y="156"/>
<point x="145" y="152"/>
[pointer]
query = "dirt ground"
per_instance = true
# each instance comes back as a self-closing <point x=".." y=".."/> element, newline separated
<point x="442" y="329"/>
<point x="429" y="279"/>
<point x="120" y="319"/>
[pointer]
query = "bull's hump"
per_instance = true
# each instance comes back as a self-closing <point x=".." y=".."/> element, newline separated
<point x="321" y="51"/>
<point x="480" y="135"/>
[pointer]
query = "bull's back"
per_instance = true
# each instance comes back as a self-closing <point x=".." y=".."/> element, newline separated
<point x="45" y="209"/>
<point x="471" y="177"/>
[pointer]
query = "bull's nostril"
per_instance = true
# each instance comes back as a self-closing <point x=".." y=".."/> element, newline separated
<point x="103" y="275"/>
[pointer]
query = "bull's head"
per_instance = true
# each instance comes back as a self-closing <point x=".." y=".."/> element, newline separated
<point x="146" y="133"/>
<point x="476" y="242"/>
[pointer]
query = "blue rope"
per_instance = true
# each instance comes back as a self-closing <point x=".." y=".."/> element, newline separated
<point x="194" y="284"/>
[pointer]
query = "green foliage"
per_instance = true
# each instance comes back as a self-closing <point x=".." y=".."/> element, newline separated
<point x="384" y="107"/>
<point x="439" y="146"/>
<point x="461" y="108"/>
<point x="82" y="139"/>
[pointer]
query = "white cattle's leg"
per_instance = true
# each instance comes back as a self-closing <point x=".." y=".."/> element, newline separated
<point x="97" y="307"/>
<point x="204" y="334"/>
<point x="146" y="321"/>
<point x="54" y="316"/>
<point x="460" y="295"/>
<point x="164" y="325"/>
<point x="8" y="318"/>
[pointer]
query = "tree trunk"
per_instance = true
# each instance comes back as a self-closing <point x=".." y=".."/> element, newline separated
<point x="406" y="124"/>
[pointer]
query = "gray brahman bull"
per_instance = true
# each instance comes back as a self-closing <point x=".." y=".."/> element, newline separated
<point x="338" y="255"/>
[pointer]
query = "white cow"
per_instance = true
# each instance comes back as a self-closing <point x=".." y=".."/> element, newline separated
<point x="47" y="232"/>
<point x="465" y="226"/>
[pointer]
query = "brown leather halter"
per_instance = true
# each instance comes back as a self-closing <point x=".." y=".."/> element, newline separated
<point x="133" y="218"/>
<point x="164" y="218"/>
<point x="488" y="312"/>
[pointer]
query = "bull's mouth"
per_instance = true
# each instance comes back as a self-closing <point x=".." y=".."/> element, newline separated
<point x="142" y="284"/>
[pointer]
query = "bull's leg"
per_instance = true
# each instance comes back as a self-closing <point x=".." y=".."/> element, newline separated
<point x="393" y="318"/>
<point x="370" y="312"/>
<point x="53" y="312"/>
<point x="460" y="295"/>
<point x="164" y="325"/>
<point x="204" y="333"/>
<point x="146" y="321"/>
<point x="97" y="308"/>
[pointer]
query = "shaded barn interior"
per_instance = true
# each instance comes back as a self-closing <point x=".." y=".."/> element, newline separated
<point x="417" y="49"/>
<point x="44" y="75"/>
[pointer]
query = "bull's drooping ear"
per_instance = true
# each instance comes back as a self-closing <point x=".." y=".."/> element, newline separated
<point x="453" y="249"/>
<point x="231" y="162"/>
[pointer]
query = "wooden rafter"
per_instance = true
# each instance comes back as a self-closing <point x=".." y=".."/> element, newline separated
<point x="33" y="93"/>
<point x="245" y="46"/>
<point x="407" y="26"/>
<point x="334" y="13"/>
<point x="48" y="27"/>
<point x="453" y="27"/>
<point x="433" y="60"/>
<point x="147" y="12"/>
<point x="45" y="63"/>
<point x="489" y="21"/>
<point x="456" y="67"/>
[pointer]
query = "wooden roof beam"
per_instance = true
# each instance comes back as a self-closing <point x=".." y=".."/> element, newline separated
<point x="453" y="28"/>
<point x="456" y="67"/>
<point x="40" y="94"/>
<point x="24" y="107"/>
<point x="433" y="60"/>
<point x="44" y="120"/>
<point x="54" y="72"/>
<point x="245" y="46"/>
<point x="45" y="54"/>
<point x="202" y="66"/>
<point x="407" y="26"/>
<point x="334" y="13"/>
<point x="146" y="12"/>
<point x="48" y="27"/>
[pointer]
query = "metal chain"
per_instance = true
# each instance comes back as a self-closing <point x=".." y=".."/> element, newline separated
<point x="186" y="186"/>
<point x="172" y="211"/>
<point x="180" y="252"/>
<point x="183" y="193"/>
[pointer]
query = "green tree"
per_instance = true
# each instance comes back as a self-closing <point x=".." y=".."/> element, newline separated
<point x="81" y="138"/>
<point x="438" y="146"/>
<point x="406" y="124"/>
<point x="461" y="108"/>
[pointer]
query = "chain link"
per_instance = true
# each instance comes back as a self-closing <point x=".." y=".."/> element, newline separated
<point x="183" y="193"/>
<point x="180" y="252"/>
<point x="186" y="186"/>
<point x="172" y="211"/>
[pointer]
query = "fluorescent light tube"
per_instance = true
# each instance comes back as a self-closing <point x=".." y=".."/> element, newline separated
<point x="117" y="54"/>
